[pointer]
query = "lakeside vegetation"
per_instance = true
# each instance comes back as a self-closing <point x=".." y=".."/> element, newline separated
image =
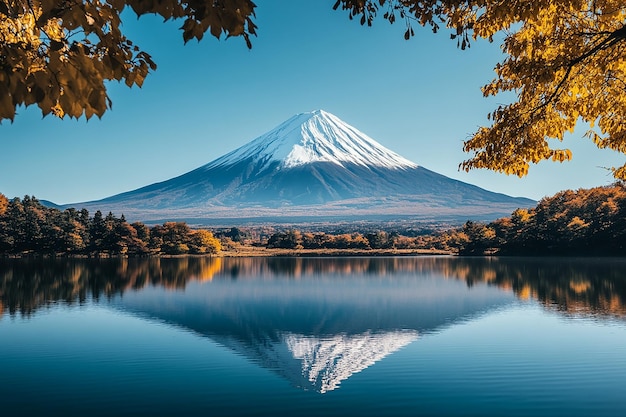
<point x="582" y="222"/>
<point x="28" y="227"/>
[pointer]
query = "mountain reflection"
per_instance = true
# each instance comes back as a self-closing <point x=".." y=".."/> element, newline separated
<point x="328" y="361"/>
<point x="315" y="321"/>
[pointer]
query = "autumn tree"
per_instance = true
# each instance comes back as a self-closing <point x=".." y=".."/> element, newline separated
<point x="202" y="241"/>
<point x="4" y="203"/>
<point x="142" y="231"/>
<point x="175" y="238"/>
<point x="564" y="61"/>
<point x="480" y="238"/>
<point x="126" y="240"/>
<point x="315" y="240"/>
<point x="5" y="238"/>
<point x="582" y="222"/>
<point x="58" y="54"/>
<point x="75" y="232"/>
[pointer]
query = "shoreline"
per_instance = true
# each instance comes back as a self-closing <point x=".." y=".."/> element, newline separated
<point x="248" y="251"/>
<point x="253" y="252"/>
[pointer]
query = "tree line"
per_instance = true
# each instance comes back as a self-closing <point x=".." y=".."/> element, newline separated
<point x="582" y="222"/>
<point x="29" y="227"/>
<point x="296" y="239"/>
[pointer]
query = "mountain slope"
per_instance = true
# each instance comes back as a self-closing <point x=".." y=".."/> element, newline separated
<point x="311" y="160"/>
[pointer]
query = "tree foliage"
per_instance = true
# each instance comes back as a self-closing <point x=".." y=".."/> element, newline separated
<point x="564" y="59"/>
<point x="583" y="222"/>
<point x="295" y="239"/>
<point x="4" y="203"/>
<point x="58" y="54"/>
<point x="28" y="227"/>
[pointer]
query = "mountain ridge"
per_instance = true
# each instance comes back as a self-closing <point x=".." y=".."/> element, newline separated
<point x="310" y="162"/>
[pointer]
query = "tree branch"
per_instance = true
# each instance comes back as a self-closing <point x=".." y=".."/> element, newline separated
<point x="614" y="37"/>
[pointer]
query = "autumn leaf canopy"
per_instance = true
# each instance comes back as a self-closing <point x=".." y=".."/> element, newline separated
<point x="58" y="54"/>
<point x="565" y="61"/>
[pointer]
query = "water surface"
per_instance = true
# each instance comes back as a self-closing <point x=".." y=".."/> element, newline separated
<point x="336" y="336"/>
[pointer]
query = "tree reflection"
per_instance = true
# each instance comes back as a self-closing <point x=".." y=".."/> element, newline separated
<point x="587" y="287"/>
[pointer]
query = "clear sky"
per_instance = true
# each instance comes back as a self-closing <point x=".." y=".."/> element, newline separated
<point x="420" y="98"/>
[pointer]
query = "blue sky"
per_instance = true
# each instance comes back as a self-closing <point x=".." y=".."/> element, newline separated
<point x="420" y="98"/>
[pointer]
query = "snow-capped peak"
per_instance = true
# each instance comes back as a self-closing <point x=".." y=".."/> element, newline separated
<point x="316" y="136"/>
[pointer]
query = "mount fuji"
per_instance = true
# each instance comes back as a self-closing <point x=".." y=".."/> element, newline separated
<point x="311" y="166"/>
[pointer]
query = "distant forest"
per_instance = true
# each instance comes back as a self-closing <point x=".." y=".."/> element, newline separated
<point x="28" y="227"/>
<point x="582" y="222"/>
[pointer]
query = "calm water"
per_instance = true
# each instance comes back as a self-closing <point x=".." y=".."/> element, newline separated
<point x="350" y="336"/>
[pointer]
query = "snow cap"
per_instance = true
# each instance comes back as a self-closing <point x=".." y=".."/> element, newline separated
<point x="316" y="136"/>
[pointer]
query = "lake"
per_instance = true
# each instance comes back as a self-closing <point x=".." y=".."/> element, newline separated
<point x="405" y="336"/>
